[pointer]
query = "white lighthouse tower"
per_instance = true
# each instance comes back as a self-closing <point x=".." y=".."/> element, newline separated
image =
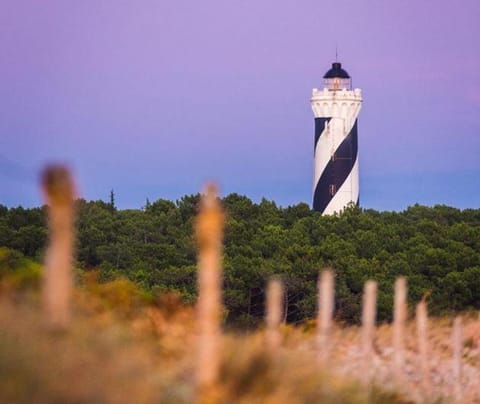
<point x="336" y="108"/>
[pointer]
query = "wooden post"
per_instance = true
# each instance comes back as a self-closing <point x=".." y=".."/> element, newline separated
<point x="326" y="293"/>
<point x="274" y="314"/>
<point x="457" y="358"/>
<point x="422" y="332"/>
<point x="59" y="193"/>
<point x="399" y="318"/>
<point x="369" y="310"/>
<point x="209" y="234"/>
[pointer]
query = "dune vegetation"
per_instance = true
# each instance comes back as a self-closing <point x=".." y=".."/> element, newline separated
<point x="227" y="301"/>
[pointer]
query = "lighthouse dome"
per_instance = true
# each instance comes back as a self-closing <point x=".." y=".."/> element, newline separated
<point x="336" y="72"/>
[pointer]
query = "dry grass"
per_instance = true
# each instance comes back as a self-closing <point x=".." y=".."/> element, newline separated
<point x="124" y="346"/>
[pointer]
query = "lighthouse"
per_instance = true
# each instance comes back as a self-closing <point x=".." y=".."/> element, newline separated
<point x="335" y="176"/>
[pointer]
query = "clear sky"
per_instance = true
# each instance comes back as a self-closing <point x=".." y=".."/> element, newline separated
<point x="153" y="97"/>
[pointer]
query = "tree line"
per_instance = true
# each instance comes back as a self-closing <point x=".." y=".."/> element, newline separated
<point x="436" y="248"/>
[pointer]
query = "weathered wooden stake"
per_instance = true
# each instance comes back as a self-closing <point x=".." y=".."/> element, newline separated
<point x="457" y="358"/>
<point x="399" y="318"/>
<point x="422" y="332"/>
<point x="369" y="311"/>
<point x="209" y="234"/>
<point x="59" y="193"/>
<point x="326" y="293"/>
<point x="274" y="314"/>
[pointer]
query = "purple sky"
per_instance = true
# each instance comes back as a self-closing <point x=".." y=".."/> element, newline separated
<point x="152" y="98"/>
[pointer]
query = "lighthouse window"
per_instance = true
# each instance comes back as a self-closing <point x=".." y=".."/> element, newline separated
<point x="333" y="189"/>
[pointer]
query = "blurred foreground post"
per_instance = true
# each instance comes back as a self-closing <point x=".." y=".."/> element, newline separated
<point x="457" y="358"/>
<point x="274" y="314"/>
<point x="59" y="193"/>
<point x="422" y="331"/>
<point x="369" y="310"/>
<point x="399" y="318"/>
<point x="326" y="293"/>
<point x="209" y="234"/>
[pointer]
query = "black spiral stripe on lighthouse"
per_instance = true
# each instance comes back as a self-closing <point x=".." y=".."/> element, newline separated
<point x="319" y="128"/>
<point x="337" y="170"/>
